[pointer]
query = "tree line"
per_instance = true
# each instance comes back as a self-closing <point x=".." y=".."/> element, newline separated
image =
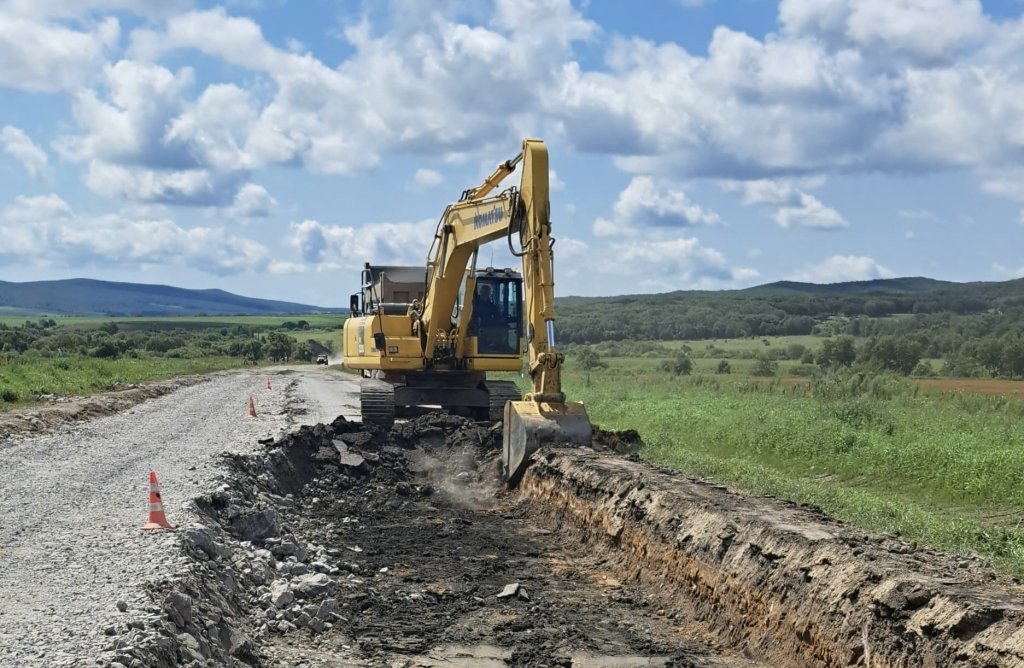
<point x="44" y="338"/>
<point x="987" y="356"/>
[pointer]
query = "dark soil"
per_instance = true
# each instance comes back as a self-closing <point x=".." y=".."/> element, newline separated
<point x="430" y="542"/>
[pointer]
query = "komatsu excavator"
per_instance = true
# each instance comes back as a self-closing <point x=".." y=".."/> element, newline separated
<point x="427" y="337"/>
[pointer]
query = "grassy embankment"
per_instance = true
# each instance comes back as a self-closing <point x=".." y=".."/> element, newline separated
<point x="943" y="469"/>
<point x="21" y="382"/>
<point x="23" y="377"/>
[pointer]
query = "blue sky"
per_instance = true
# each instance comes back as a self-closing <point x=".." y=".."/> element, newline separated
<point x="270" y="148"/>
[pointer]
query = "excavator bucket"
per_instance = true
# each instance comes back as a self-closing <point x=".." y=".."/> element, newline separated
<point x="529" y="425"/>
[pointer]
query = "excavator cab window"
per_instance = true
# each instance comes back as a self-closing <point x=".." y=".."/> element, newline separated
<point x="497" y="315"/>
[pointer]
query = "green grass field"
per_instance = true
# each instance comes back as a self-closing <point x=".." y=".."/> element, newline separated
<point x="21" y="382"/>
<point x="23" y="377"/>
<point x="315" y="320"/>
<point x="943" y="469"/>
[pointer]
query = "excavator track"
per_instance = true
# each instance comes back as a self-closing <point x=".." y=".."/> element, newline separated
<point x="501" y="391"/>
<point x="377" y="402"/>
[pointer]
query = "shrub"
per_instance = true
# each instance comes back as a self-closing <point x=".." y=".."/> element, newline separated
<point x="765" y="366"/>
<point x="680" y="365"/>
<point x="723" y="367"/>
<point x="923" y="370"/>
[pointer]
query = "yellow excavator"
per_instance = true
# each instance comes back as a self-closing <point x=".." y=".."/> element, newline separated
<point x="426" y="337"/>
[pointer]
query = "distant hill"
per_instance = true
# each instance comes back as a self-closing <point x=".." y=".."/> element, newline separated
<point x="782" y="308"/>
<point x="886" y="286"/>
<point x="81" y="296"/>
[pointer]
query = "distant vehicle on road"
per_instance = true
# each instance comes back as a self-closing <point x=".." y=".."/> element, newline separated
<point x="321" y="359"/>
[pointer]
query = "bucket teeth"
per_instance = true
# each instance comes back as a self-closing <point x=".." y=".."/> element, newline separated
<point x="530" y="425"/>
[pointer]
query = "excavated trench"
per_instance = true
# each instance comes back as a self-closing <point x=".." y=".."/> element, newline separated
<point x="341" y="546"/>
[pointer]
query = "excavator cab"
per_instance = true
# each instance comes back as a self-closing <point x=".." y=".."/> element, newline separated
<point x="497" y="317"/>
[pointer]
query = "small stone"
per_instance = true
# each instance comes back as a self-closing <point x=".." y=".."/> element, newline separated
<point x="326" y="610"/>
<point x="280" y="595"/>
<point x="316" y="625"/>
<point x="179" y="609"/>
<point x="122" y="606"/>
<point x="509" y="591"/>
<point x="257" y="525"/>
<point x="313" y="585"/>
<point x="403" y="489"/>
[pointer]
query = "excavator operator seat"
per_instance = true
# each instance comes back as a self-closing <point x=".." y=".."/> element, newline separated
<point x="497" y="319"/>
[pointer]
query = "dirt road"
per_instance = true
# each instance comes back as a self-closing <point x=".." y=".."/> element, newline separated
<point x="72" y="501"/>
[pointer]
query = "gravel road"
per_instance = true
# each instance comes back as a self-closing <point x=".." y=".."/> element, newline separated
<point x="72" y="502"/>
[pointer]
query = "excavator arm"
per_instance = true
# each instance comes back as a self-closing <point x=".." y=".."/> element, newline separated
<point x="543" y="416"/>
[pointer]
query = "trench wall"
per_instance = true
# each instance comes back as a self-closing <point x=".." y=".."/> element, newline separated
<point x="777" y="581"/>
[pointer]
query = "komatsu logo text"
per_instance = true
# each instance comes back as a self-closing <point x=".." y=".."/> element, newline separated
<point x="490" y="217"/>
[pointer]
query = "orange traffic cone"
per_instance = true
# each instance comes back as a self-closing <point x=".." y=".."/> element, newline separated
<point x="268" y="384"/>
<point x="252" y="407"/>
<point x="157" y="518"/>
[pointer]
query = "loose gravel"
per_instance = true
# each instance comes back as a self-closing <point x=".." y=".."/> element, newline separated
<point x="73" y="561"/>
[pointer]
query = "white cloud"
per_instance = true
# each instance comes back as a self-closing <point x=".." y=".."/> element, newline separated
<point x="252" y="201"/>
<point x="879" y="85"/>
<point x="143" y="141"/>
<point x="1002" y="272"/>
<point x="282" y="268"/>
<point x="40" y="55"/>
<point x="908" y="85"/>
<point x="649" y="204"/>
<point x="197" y="187"/>
<point x="20" y="146"/>
<point x="343" y="247"/>
<point x="68" y="9"/>
<point x="793" y="206"/>
<point x="1008" y="184"/>
<point x="810" y="213"/>
<point x="841" y="268"/>
<point x="925" y="31"/>
<point x="45" y="231"/>
<point x="555" y="183"/>
<point x="777" y="192"/>
<point x="671" y="264"/>
<point x="1022" y="217"/>
<point x="215" y="128"/>
<point x="427" y="178"/>
<point x="430" y="86"/>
